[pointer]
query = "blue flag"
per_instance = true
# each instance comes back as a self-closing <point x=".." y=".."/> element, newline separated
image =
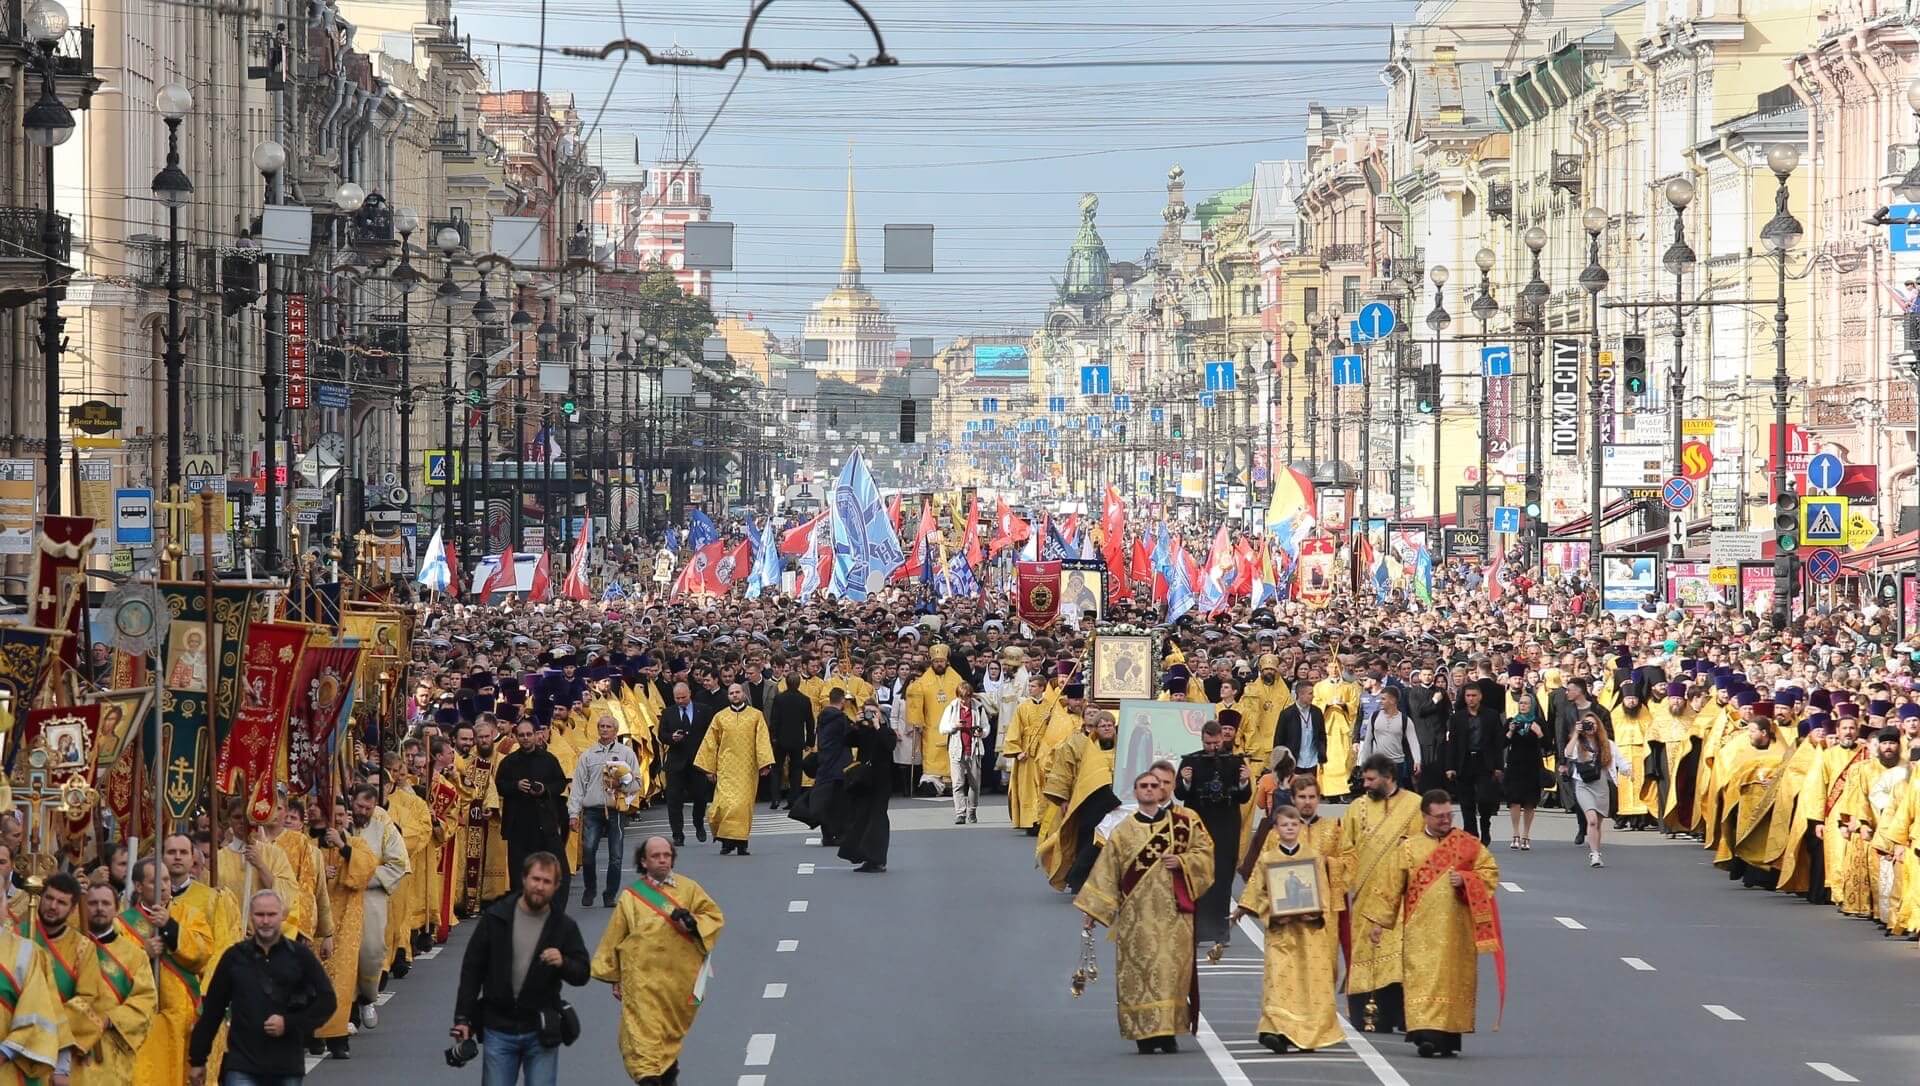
<point x="1180" y="598"/>
<point x="700" y="530"/>
<point x="766" y="562"/>
<point x="615" y="591"/>
<point x="866" y="550"/>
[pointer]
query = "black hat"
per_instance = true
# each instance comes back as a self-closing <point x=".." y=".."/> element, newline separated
<point x="1074" y="690"/>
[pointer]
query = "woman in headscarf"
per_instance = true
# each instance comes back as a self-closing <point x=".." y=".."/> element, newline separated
<point x="1525" y="774"/>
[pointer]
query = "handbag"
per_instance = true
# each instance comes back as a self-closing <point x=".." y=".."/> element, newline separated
<point x="559" y="1025"/>
<point x="1589" y="771"/>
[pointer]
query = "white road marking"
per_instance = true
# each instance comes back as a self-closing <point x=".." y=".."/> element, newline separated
<point x="1570" y="923"/>
<point x="751" y="1080"/>
<point x="1639" y="964"/>
<point x="760" y="1049"/>
<point x="796" y="906"/>
<point x="1383" y="1072"/>
<point x="804" y="869"/>
<point x="1217" y="1054"/>
<point x="774" y="991"/>
<point x="382" y="998"/>
<point x="429" y="955"/>
<point x="313" y="1062"/>
<point x="1512" y="888"/>
<point x="1833" y="1074"/>
<point x="1722" y="1013"/>
<point x="787" y="946"/>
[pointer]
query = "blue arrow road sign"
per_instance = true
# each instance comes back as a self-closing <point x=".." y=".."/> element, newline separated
<point x="1349" y="369"/>
<point x="1497" y="361"/>
<point x="1221" y="377"/>
<point x="1823" y="565"/>
<point x="1208" y="399"/>
<point x="1506" y="518"/>
<point x="1157" y="415"/>
<point x="1903" y="228"/>
<point x="1376" y="321"/>
<point x="1824" y="471"/>
<point x="1056" y="403"/>
<point x="1096" y="380"/>
<point x="1123" y="404"/>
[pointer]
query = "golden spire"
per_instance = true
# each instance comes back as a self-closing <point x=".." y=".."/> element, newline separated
<point x="850" y="250"/>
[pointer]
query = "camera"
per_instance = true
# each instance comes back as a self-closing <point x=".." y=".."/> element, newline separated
<point x="461" y="1053"/>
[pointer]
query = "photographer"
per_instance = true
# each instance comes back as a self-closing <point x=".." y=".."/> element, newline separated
<point x="510" y="980"/>
<point x="1215" y="783"/>
<point x="277" y="993"/>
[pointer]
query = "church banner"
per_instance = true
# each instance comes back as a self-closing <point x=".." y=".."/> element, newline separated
<point x="247" y="757"/>
<point x="198" y="686"/>
<point x="58" y="589"/>
<point x="1039" y="593"/>
<point x="320" y="690"/>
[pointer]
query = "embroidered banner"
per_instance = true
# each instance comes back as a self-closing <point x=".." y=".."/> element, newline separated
<point x="272" y="662"/>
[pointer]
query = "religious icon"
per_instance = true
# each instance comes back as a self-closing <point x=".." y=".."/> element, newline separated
<point x="1122" y="667"/>
<point x="187" y="657"/>
<point x="66" y="741"/>
<point x="1297" y="887"/>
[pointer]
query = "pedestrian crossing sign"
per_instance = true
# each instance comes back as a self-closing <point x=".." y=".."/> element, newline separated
<point x="1823" y="520"/>
<point x="440" y="468"/>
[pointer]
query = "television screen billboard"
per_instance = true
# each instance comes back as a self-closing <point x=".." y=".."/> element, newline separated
<point x="1001" y="362"/>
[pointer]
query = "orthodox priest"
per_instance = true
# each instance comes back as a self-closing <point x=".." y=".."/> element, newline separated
<point x="1750" y="776"/>
<point x="1021" y="745"/>
<point x="1080" y="784"/>
<point x="927" y="698"/>
<point x="128" y="997"/>
<point x="735" y="753"/>
<point x="178" y="939"/>
<point x="30" y="1036"/>
<point x="1371" y="832"/>
<point x="1445" y="879"/>
<point x="1144" y="886"/>
<point x="654" y="953"/>
<point x="482" y="848"/>
<point x="1215" y="783"/>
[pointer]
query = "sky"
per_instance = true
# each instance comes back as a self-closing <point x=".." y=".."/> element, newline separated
<point x="990" y="148"/>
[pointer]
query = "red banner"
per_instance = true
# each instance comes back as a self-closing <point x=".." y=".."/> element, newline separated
<point x="297" y="352"/>
<point x="319" y="690"/>
<point x="57" y="595"/>
<point x="268" y="669"/>
<point x="1039" y="593"/>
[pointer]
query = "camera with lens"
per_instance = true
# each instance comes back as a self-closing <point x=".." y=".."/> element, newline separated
<point x="461" y="1053"/>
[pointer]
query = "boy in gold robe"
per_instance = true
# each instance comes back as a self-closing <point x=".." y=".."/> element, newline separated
<point x="1302" y="947"/>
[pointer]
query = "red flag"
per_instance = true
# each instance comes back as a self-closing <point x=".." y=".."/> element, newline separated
<point x="542" y="588"/>
<point x="1113" y="532"/>
<point x="795" y="540"/>
<point x="727" y="569"/>
<point x="505" y="578"/>
<point x="575" y="587"/>
<point x="1007" y="528"/>
<point x="693" y="576"/>
<point x="271" y="658"/>
<point x="1071" y="534"/>
<point x="453" y="570"/>
<point x="1038" y="599"/>
<point x="917" y="557"/>
<point x="893" y="512"/>
<point x="971" y="542"/>
<point x="1243" y="569"/>
<point x="1142" y="570"/>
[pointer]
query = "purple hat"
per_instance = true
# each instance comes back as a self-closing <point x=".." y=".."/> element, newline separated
<point x="1816" y="720"/>
<point x="1790" y="695"/>
<point x="1879" y="707"/>
<point x="1909" y="711"/>
<point x="1516" y="670"/>
<point x="1763" y="710"/>
<point x="1676" y="690"/>
<point x="1820" y="698"/>
<point x="1847" y="711"/>
<point x="1746" y="698"/>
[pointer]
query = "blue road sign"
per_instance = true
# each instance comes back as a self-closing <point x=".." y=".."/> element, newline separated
<point x="1056" y="404"/>
<point x="1208" y="399"/>
<point x="1157" y="415"/>
<point x="1506" y="518"/>
<point x="1823" y="521"/>
<point x="1349" y="369"/>
<point x="1677" y="493"/>
<point x="1376" y="321"/>
<point x="1496" y="361"/>
<point x="1096" y="380"/>
<point x="1823" y="565"/>
<point x="133" y="517"/>
<point x="1824" y="471"/>
<point x="1123" y="403"/>
<point x="1221" y="377"/>
<point x="1903" y="228"/>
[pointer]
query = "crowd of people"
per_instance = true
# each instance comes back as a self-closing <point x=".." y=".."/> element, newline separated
<point x="536" y="731"/>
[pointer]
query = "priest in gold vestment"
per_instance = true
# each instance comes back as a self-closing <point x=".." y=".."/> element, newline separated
<point x="735" y="754"/>
<point x="1370" y="836"/>
<point x="30" y="1021"/>
<point x="480" y="850"/>
<point x="1143" y="886"/>
<point x="1079" y="786"/>
<point x="1445" y="880"/>
<point x="657" y="964"/>
<point x="1302" y="947"/>
<point x="1338" y="697"/>
<point x="927" y="698"/>
<point x="1751" y="777"/>
<point x="128" y="999"/>
<point x="348" y="867"/>
<point x="1021" y="745"/>
<point x="178" y="938"/>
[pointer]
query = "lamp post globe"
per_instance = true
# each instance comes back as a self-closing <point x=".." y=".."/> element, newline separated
<point x="269" y="157"/>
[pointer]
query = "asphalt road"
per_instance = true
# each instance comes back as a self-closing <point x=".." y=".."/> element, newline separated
<point x="951" y="969"/>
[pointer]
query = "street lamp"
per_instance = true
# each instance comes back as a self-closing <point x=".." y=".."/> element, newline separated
<point x="270" y="159"/>
<point x="480" y="401"/>
<point x="1910" y="184"/>
<point x="547" y="338"/>
<point x="408" y="279"/>
<point x="1593" y="279"/>
<point x="1782" y="233"/>
<point x="521" y="321"/>
<point x="173" y="188"/>
<point x="49" y="124"/>
<point x="446" y="296"/>
<point x="1315" y="328"/>
<point x="1438" y="319"/>
<point x="1334" y="346"/>
<point x="1287" y="362"/>
<point x="1679" y="260"/>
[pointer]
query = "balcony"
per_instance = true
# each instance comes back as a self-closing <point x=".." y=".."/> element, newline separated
<point x="22" y="265"/>
<point x="147" y="260"/>
<point x="72" y="54"/>
<point x="1831" y="407"/>
<point x="452" y="141"/>
<point x="1343" y="254"/>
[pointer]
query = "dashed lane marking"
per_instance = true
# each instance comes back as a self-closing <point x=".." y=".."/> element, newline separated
<point x="1832" y="1073"/>
<point x="796" y="906"/>
<point x="751" y="1080"/>
<point x="1639" y="965"/>
<point x="1570" y="923"/>
<point x="1512" y="888"/>
<point x="760" y="1049"/>
<point x="787" y="946"/>
<point x="1383" y="1072"/>
<point x="774" y="991"/>
<point x="804" y="869"/>
<point x="1722" y="1013"/>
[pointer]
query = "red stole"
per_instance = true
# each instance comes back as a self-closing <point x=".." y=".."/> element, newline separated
<point x="1456" y="852"/>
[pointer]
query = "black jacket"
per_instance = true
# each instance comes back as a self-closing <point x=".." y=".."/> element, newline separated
<point x="534" y="818"/>
<point x="834" y="753"/>
<point x="252" y="986"/>
<point x="486" y="999"/>
<point x="1430" y="708"/>
<point x="1287" y="732"/>
<point x="1476" y="747"/>
<point x="1216" y="783"/>
<point x="680" y="751"/>
<point x="790" y="727"/>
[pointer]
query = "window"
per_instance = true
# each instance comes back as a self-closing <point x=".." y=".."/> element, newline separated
<point x="1350" y="294"/>
<point x="1311" y="308"/>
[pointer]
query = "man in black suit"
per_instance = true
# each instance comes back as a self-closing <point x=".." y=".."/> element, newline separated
<point x="1307" y="740"/>
<point x="790" y="728"/>
<point x="1430" y="708"/>
<point x="830" y="776"/>
<point x="1477" y="757"/>
<point x="684" y="724"/>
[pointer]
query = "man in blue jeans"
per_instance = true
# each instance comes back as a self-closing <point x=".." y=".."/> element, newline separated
<point x="604" y="774"/>
<point x="510" y="977"/>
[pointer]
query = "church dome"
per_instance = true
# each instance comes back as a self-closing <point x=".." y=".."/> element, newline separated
<point x="1089" y="275"/>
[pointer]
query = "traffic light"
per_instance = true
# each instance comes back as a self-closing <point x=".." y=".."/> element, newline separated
<point x="1786" y="522"/>
<point x="1179" y="427"/>
<point x="1426" y="389"/>
<point x="1633" y="350"/>
<point x="569" y="407"/>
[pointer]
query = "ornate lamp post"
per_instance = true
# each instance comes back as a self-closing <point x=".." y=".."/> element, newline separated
<point x="270" y="159"/>
<point x="408" y="279"/>
<point x="48" y="124"/>
<point x="1781" y="234"/>
<point x="1438" y="319"/>
<point x="1679" y="259"/>
<point x="1593" y="279"/>
<point x="446" y="296"/>
<point x="173" y="188"/>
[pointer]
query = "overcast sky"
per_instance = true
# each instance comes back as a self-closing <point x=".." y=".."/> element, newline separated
<point x="995" y="158"/>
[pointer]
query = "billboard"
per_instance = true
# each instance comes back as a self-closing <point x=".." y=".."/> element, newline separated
<point x="1000" y="362"/>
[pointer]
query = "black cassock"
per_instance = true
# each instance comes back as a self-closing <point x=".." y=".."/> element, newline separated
<point x="534" y="821"/>
<point x="865" y="833"/>
<point x="1216" y="794"/>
